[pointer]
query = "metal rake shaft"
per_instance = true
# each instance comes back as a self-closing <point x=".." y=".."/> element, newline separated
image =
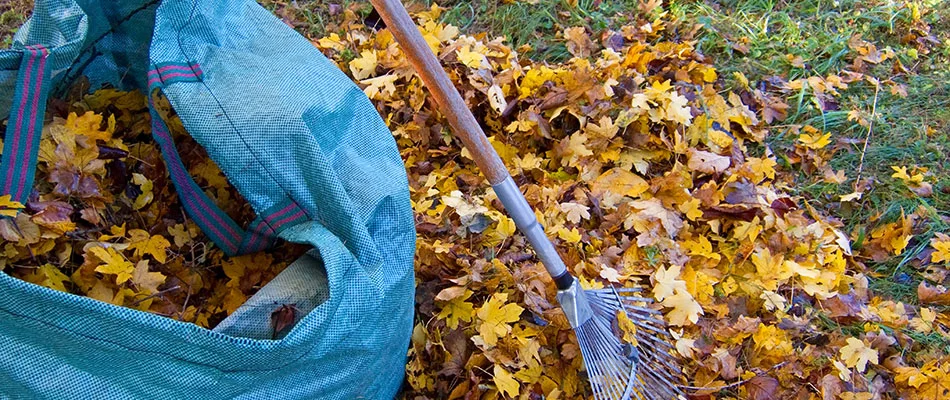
<point x="617" y="370"/>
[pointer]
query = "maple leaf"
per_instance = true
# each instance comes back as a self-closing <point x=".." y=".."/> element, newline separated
<point x="457" y="309"/>
<point x="901" y="173"/>
<point x="505" y="381"/>
<point x="143" y="244"/>
<point x="49" y="276"/>
<point x="653" y="208"/>
<point x="331" y="41"/>
<point x="114" y="263"/>
<point x="620" y="181"/>
<point x="88" y="125"/>
<point x="495" y="317"/>
<point x="609" y="274"/>
<point x="941" y="246"/>
<point x="685" y="311"/>
<point x="145" y="185"/>
<point x="578" y="42"/>
<point x="570" y="236"/>
<point x="143" y="279"/>
<point x="380" y="87"/>
<point x="677" y="110"/>
<point x="856" y="354"/>
<point x="772" y="340"/>
<point x="815" y="141"/>
<point x="182" y="234"/>
<point x="575" y="212"/>
<point x="364" y="66"/>
<point x="472" y="59"/>
<point x="666" y="282"/>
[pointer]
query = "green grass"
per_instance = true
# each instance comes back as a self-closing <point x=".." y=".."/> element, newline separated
<point x="13" y="13"/>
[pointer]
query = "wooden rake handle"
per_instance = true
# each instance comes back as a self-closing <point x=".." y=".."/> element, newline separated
<point x="425" y="63"/>
<point x="466" y="128"/>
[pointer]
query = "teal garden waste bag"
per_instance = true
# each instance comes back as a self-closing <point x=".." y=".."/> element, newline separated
<point x="299" y="141"/>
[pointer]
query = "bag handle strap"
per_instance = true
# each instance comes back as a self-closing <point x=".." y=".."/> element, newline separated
<point x="21" y="149"/>
<point x="227" y="234"/>
<point x="25" y="125"/>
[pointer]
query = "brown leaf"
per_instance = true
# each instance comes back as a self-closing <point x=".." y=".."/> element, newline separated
<point x="843" y="308"/>
<point x="708" y="162"/>
<point x="783" y="205"/>
<point x="762" y="388"/>
<point x="933" y="294"/>
<point x="831" y="387"/>
<point x="283" y="317"/>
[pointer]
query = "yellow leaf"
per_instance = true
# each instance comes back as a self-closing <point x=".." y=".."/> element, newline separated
<point x="114" y="263"/>
<point x="571" y="236"/>
<point x="182" y="234"/>
<point x="901" y="173"/>
<point x="941" y="245"/>
<point x="146" y="196"/>
<point x="147" y="282"/>
<point x="49" y="276"/>
<point x="620" y="181"/>
<point x="677" y="110"/>
<point x="691" y="209"/>
<point x="457" y="309"/>
<point x="472" y="59"/>
<point x="666" y="282"/>
<point x="815" y="141"/>
<point x="380" y="87"/>
<point x="773" y="301"/>
<point x="709" y="75"/>
<point x="851" y="196"/>
<point x="87" y="125"/>
<point x="700" y="247"/>
<point x="505" y="382"/>
<point x="206" y="170"/>
<point x="9" y="208"/>
<point x="575" y="212"/>
<point x="856" y="354"/>
<point x="685" y="311"/>
<point x="364" y="66"/>
<point x="332" y="41"/>
<point x="101" y="292"/>
<point x="772" y="340"/>
<point x="116" y="232"/>
<point x="495" y="317"/>
<point x="143" y="244"/>
<point x="233" y="299"/>
<point x="628" y="328"/>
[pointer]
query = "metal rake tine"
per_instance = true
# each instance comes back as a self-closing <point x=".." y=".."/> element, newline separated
<point x="629" y="289"/>
<point x="609" y="361"/>
<point x="592" y="371"/>
<point x="658" y="386"/>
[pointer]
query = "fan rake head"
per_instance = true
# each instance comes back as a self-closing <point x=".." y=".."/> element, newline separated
<point x="618" y="369"/>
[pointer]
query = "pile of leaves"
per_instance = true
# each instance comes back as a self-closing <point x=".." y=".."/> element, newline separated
<point x="104" y="221"/>
<point x="646" y="172"/>
<point x="643" y="168"/>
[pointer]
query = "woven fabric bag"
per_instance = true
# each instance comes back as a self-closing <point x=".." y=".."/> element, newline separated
<point x="294" y="136"/>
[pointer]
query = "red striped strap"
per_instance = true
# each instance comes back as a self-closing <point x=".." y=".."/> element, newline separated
<point x="25" y="125"/>
<point x="227" y="234"/>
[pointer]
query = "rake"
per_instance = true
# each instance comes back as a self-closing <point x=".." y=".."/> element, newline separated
<point x="616" y="369"/>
